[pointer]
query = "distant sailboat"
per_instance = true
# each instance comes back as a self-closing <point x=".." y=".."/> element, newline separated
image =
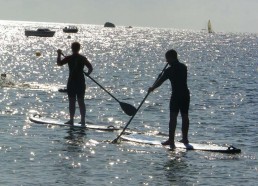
<point x="209" y="27"/>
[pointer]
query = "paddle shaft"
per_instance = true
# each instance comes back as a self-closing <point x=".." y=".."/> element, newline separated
<point x="115" y="140"/>
<point x="101" y="87"/>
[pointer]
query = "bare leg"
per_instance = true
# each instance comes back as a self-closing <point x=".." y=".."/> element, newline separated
<point x="82" y="109"/>
<point x="172" y="129"/>
<point x="185" y="128"/>
<point x="172" y="126"/>
<point x="72" y="101"/>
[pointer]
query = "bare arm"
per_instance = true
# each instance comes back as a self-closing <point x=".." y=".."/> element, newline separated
<point x="158" y="83"/>
<point x="89" y="66"/>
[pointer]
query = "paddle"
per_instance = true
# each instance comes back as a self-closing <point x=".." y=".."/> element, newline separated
<point x="127" y="108"/>
<point x="115" y="140"/>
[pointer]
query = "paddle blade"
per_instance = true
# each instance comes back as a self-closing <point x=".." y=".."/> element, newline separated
<point x="128" y="109"/>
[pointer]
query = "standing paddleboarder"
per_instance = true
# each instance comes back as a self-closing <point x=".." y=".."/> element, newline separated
<point x="76" y="81"/>
<point x="180" y="98"/>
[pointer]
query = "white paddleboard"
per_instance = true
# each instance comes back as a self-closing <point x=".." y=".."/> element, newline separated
<point x="89" y="125"/>
<point x="137" y="138"/>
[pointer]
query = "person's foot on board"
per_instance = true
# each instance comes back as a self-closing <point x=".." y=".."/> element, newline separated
<point x="168" y="142"/>
<point x="184" y="141"/>
<point x="70" y="122"/>
<point x="172" y="146"/>
<point x="82" y="123"/>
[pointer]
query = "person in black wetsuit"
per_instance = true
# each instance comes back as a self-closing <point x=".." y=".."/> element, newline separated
<point x="76" y="80"/>
<point x="180" y="98"/>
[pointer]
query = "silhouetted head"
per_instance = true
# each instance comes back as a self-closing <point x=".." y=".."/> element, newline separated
<point x="3" y="76"/>
<point x="76" y="47"/>
<point x="171" y="56"/>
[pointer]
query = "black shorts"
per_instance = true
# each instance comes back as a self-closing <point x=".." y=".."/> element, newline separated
<point x="76" y="90"/>
<point x="180" y="103"/>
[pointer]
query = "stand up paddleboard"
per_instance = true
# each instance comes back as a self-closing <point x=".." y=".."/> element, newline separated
<point x="89" y="125"/>
<point x="137" y="138"/>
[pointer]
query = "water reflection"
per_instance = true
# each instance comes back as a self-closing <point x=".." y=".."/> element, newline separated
<point x="176" y="169"/>
<point x="75" y="138"/>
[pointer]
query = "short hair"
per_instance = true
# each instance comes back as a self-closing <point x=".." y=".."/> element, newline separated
<point x="76" y="46"/>
<point x="171" y="54"/>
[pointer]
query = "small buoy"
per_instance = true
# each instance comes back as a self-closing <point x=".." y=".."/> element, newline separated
<point x="38" y="54"/>
<point x="68" y="37"/>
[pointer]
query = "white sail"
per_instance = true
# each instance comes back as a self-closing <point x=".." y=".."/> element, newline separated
<point x="209" y="27"/>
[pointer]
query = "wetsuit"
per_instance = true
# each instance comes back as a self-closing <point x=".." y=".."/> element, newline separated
<point x="76" y="80"/>
<point x="180" y="97"/>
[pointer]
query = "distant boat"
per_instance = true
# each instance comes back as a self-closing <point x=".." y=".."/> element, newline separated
<point x="40" y="32"/>
<point x="209" y="27"/>
<point x="70" y="29"/>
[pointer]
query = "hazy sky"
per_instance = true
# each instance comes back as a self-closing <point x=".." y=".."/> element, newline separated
<point x="225" y="15"/>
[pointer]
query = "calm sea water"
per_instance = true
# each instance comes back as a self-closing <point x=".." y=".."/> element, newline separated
<point x="222" y="79"/>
